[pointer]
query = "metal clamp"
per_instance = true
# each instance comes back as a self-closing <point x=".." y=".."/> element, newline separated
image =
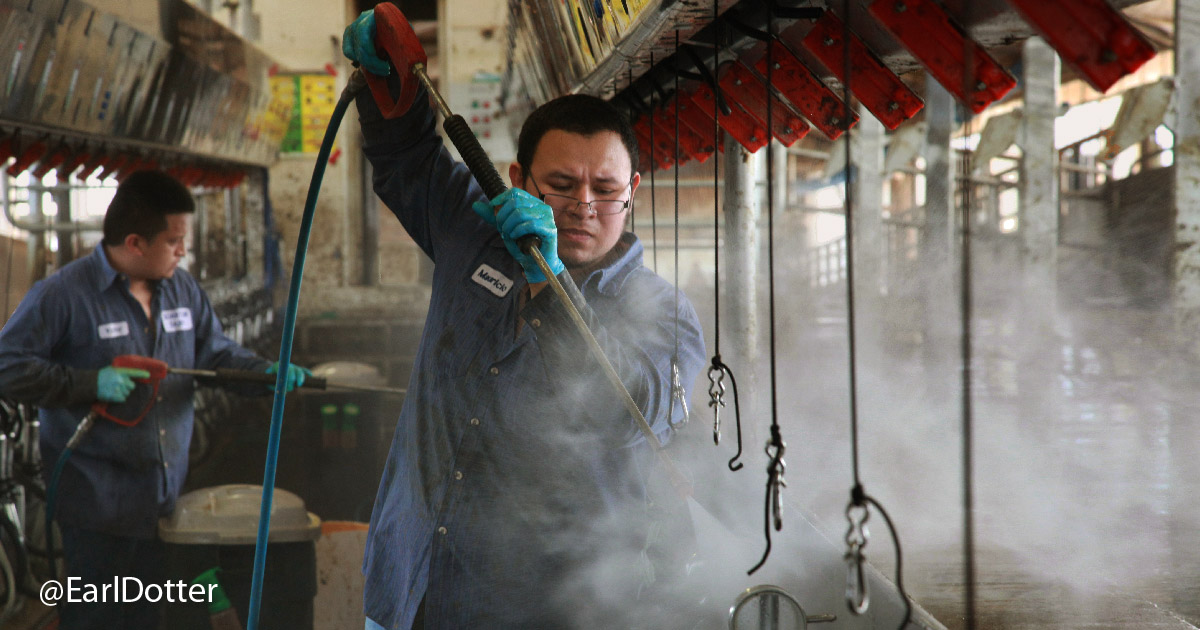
<point x="778" y="467"/>
<point x="858" y="598"/>
<point x="716" y="398"/>
<point x="680" y="394"/>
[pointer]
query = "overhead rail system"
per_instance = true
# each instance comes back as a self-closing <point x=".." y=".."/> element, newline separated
<point x="624" y="51"/>
<point x="84" y="92"/>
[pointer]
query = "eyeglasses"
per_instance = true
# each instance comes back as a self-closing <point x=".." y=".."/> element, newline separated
<point x="563" y="203"/>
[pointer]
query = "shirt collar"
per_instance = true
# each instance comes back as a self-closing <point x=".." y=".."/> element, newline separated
<point x="610" y="278"/>
<point x="105" y="273"/>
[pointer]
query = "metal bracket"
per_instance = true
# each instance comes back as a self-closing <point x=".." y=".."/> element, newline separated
<point x="1090" y="36"/>
<point x="741" y="125"/>
<point x="800" y="86"/>
<point x="879" y="90"/>
<point x="750" y="92"/>
<point x="942" y="46"/>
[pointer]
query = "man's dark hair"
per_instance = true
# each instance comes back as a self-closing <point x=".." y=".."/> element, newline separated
<point x="141" y="205"/>
<point x="575" y="113"/>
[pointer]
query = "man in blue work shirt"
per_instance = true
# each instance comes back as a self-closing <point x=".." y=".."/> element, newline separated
<point x="517" y="493"/>
<point x="127" y="297"/>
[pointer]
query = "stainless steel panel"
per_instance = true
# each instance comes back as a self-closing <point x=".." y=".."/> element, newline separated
<point x="22" y="39"/>
<point x="69" y="72"/>
<point x="61" y="75"/>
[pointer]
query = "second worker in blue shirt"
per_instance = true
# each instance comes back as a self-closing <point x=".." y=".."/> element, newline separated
<point x="518" y="492"/>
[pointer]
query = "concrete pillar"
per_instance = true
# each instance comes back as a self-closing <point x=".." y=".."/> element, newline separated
<point x="939" y="242"/>
<point x="1186" y="263"/>
<point x="1039" y="178"/>
<point x="1038" y="343"/>
<point x="739" y="337"/>
<point x="1184" y="434"/>
<point x="866" y="152"/>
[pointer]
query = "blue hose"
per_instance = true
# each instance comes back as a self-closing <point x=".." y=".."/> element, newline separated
<point x="355" y="85"/>
<point x="51" y="504"/>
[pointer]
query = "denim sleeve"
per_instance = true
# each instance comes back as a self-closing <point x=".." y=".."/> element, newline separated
<point x="415" y="176"/>
<point x="26" y="372"/>
<point x="639" y="346"/>
<point x="215" y="350"/>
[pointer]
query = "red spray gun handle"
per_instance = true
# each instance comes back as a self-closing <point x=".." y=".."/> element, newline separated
<point x="395" y="36"/>
<point x="157" y="370"/>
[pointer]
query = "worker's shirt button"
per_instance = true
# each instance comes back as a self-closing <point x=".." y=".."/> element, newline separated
<point x="494" y="371"/>
<point x="146" y="329"/>
<point x="162" y="432"/>
<point x="442" y="531"/>
<point x="160" y="399"/>
<point x="166" y="464"/>
<point x="475" y="422"/>
<point x="536" y="323"/>
<point x="458" y="475"/>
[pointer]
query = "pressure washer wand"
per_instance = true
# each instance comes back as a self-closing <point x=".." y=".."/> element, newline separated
<point x="485" y="173"/>
<point x="310" y="382"/>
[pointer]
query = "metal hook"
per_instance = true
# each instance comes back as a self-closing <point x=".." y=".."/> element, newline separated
<point x="716" y="398"/>
<point x="734" y="464"/>
<point x="776" y="472"/>
<point x="773" y="505"/>
<point x="678" y="393"/>
<point x="858" y="598"/>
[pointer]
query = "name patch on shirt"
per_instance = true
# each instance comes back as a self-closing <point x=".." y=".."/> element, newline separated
<point x="487" y="277"/>
<point x="177" y="319"/>
<point x="112" y="330"/>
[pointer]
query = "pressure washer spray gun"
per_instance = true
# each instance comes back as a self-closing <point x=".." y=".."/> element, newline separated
<point x="157" y="372"/>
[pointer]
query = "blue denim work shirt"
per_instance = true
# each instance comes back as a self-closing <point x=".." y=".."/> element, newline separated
<point x="515" y="472"/>
<point x="119" y="480"/>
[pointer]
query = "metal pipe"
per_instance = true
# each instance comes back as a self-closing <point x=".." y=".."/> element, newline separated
<point x="419" y="70"/>
<point x="743" y="209"/>
<point x="38" y="228"/>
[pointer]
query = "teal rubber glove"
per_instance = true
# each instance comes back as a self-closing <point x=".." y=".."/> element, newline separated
<point x="113" y="384"/>
<point x="521" y="214"/>
<point x="358" y="44"/>
<point x="295" y="375"/>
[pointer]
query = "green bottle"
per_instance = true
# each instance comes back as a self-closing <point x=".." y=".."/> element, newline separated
<point x="221" y="613"/>
<point x="329" y="426"/>
<point x="349" y="426"/>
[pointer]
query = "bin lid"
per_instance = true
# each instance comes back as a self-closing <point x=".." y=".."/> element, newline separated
<point x="228" y="515"/>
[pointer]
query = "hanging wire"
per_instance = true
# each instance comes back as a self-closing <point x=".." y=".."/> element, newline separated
<point x="653" y="188"/>
<point x="966" y="312"/>
<point x="857" y="511"/>
<point x="677" y="389"/>
<point x="773" y="508"/>
<point x="719" y="370"/>
<point x="633" y="198"/>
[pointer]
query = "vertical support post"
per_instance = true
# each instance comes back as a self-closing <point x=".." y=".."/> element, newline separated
<point x="1039" y="179"/>
<point x="866" y="150"/>
<point x="743" y="215"/>
<point x="1038" y="342"/>
<point x="1185" y="286"/>
<point x="62" y="203"/>
<point x="938" y="242"/>
<point x="1186" y="264"/>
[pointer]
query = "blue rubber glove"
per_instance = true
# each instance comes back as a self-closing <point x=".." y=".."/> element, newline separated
<point x="521" y="214"/>
<point x="358" y="44"/>
<point x="295" y="375"/>
<point x="113" y="384"/>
